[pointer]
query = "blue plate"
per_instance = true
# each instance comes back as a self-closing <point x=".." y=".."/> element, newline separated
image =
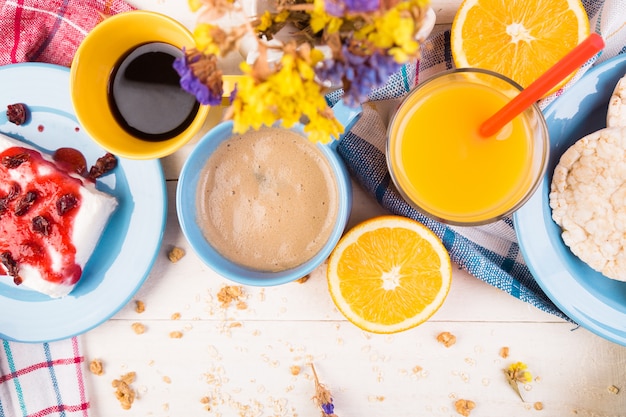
<point x="127" y="249"/>
<point x="592" y="300"/>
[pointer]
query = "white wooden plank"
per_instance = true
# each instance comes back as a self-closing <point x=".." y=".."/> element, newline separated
<point x="369" y="375"/>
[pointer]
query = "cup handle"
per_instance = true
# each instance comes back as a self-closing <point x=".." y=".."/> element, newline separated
<point x="347" y="116"/>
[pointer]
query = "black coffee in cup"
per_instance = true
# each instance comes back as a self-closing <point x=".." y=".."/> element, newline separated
<point x="145" y="94"/>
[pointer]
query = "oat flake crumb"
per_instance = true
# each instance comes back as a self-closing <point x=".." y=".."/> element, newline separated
<point x="295" y="370"/>
<point x="446" y="338"/>
<point x="138" y="328"/>
<point x="175" y="254"/>
<point x="613" y="389"/>
<point x="463" y="407"/>
<point x="124" y="393"/>
<point x="229" y="294"/>
<point x="175" y="316"/>
<point x="176" y="335"/>
<point x="140" y="306"/>
<point x="538" y="405"/>
<point x="167" y="379"/>
<point x="504" y="352"/>
<point x="96" y="367"/>
<point x="303" y="279"/>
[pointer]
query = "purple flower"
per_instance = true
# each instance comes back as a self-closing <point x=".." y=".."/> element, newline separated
<point x="328" y="408"/>
<point x="358" y="74"/>
<point x="189" y="82"/>
<point x="339" y="8"/>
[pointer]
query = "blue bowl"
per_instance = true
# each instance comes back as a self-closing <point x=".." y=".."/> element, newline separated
<point x="586" y="296"/>
<point x="188" y="214"/>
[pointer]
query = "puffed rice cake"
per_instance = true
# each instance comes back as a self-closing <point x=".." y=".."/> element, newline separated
<point x="588" y="200"/>
<point x="616" y="114"/>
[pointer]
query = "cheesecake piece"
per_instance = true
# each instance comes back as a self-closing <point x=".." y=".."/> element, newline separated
<point x="51" y="219"/>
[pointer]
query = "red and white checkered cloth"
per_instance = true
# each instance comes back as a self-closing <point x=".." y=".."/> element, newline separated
<point x="46" y="379"/>
<point x="49" y="30"/>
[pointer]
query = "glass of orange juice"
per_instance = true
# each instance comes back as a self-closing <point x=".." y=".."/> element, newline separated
<point x="445" y="169"/>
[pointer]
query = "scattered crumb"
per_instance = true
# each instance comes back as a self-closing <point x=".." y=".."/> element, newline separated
<point x="166" y="407"/>
<point x="176" y="335"/>
<point x="613" y="389"/>
<point x="175" y="316"/>
<point x="138" y="328"/>
<point x="175" y="254"/>
<point x="538" y="405"/>
<point x="504" y="352"/>
<point x="417" y="369"/>
<point x="235" y="324"/>
<point x="446" y="338"/>
<point x="96" y="368"/>
<point x="295" y="370"/>
<point x="206" y="401"/>
<point x="463" y="407"/>
<point x="140" y="307"/>
<point x="167" y="379"/>
<point x="376" y="398"/>
<point x="124" y="393"/>
<point x="303" y="279"/>
<point x="230" y="293"/>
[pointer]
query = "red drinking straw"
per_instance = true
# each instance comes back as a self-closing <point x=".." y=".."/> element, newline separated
<point x="568" y="64"/>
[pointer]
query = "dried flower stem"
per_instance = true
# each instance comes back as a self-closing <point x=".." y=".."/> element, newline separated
<point x="322" y="397"/>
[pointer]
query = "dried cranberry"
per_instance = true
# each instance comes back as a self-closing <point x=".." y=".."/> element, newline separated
<point x="11" y="266"/>
<point x="14" y="161"/>
<point x="41" y="225"/>
<point x="14" y="191"/>
<point x="24" y="204"/>
<point x="17" y="113"/>
<point x="66" y="203"/>
<point x="71" y="160"/>
<point x="103" y="165"/>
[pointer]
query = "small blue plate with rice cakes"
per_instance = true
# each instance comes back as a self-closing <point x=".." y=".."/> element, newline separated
<point x="589" y="298"/>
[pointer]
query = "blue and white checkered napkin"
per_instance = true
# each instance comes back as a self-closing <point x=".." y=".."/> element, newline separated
<point x="491" y="252"/>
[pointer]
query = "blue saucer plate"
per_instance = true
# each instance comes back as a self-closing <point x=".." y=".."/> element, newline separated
<point x="129" y="245"/>
<point x="595" y="302"/>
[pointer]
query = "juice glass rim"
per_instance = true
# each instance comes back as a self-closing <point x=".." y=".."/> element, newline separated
<point x="538" y="173"/>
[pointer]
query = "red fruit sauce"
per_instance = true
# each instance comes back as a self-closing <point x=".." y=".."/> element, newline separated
<point x="38" y="213"/>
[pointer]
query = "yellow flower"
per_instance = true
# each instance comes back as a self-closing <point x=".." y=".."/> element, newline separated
<point x="518" y="372"/>
<point x="194" y="5"/>
<point x="204" y="40"/>
<point x="265" y="22"/>
<point x="321" y="20"/>
<point x="394" y="31"/>
<point x="285" y="96"/>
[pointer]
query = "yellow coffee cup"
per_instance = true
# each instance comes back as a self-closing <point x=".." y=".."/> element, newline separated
<point x="103" y="109"/>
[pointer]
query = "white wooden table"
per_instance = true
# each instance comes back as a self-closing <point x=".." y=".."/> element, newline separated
<point x="241" y="360"/>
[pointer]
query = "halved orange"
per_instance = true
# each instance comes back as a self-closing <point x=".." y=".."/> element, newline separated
<point x="389" y="274"/>
<point x="520" y="39"/>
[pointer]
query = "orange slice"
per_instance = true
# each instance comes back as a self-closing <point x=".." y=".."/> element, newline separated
<point x="519" y="39"/>
<point x="389" y="274"/>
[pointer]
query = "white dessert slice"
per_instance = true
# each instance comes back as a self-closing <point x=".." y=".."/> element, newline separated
<point x="62" y="239"/>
